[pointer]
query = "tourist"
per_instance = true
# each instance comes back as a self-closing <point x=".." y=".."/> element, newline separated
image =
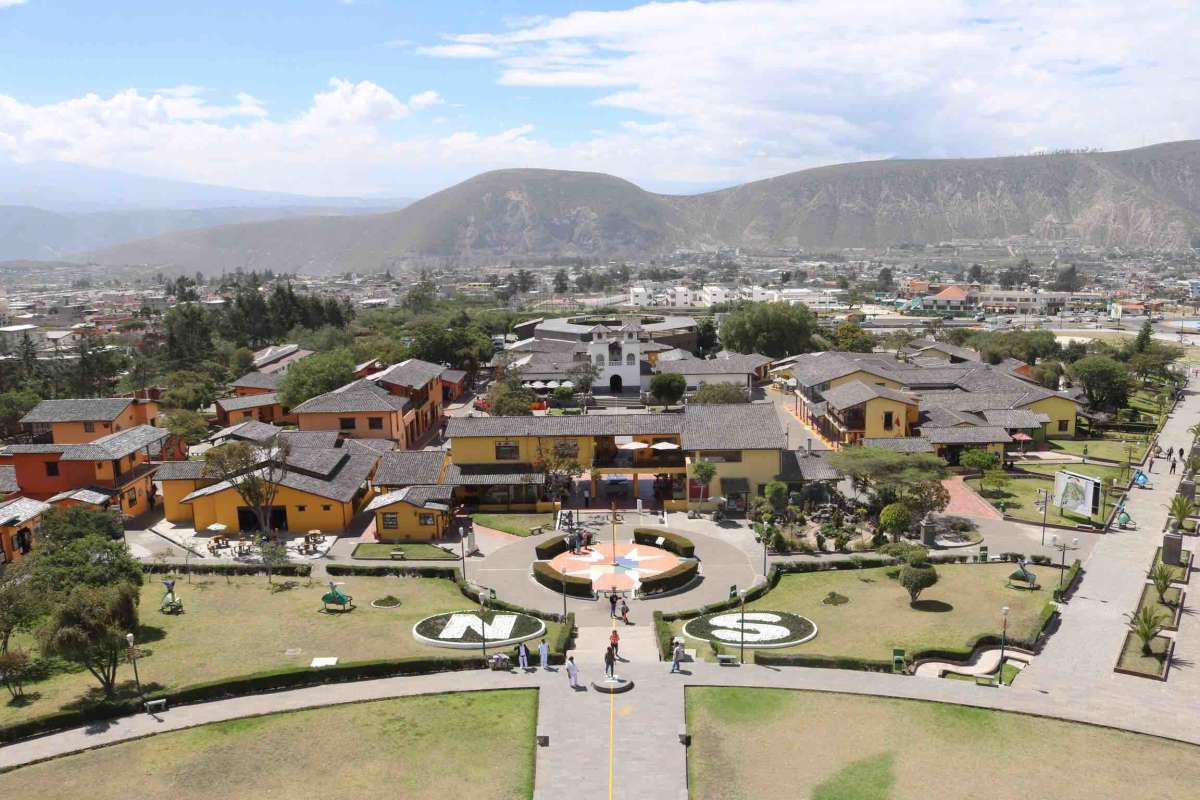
<point x="1150" y="465"/>
<point x="624" y="611"/>
<point x="523" y="656"/>
<point x="1172" y="465"/>
<point x="612" y="604"/>
<point x="572" y="673"/>
<point x="587" y="496"/>
<point x="676" y="656"/>
<point x="610" y="659"/>
<point x="544" y="655"/>
<point x="614" y="641"/>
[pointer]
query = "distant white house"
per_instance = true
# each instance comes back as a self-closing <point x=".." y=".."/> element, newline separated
<point x="640" y="296"/>
<point x="680" y="296"/>
<point x="712" y="295"/>
<point x="760" y="294"/>
<point x="12" y="335"/>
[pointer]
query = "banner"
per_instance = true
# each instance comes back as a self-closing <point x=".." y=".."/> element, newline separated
<point x="1078" y="494"/>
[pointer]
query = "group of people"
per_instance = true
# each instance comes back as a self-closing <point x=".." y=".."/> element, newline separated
<point x="1171" y="454"/>
<point x="543" y="655"/>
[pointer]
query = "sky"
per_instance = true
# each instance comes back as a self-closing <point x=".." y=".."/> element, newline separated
<point x="400" y="98"/>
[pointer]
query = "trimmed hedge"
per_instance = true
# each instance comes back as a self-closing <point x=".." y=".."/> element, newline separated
<point x="550" y="548"/>
<point x="1069" y="580"/>
<point x="200" y="568"/>
<point x="552" y="579"/>
<point x="274" y="680"/>
<point x="677" y="576"/>
<point x="662" y="633"/>
<point x="364" y="571"/>
<point x="820" y="662"/>
<point x="673" y="542"/>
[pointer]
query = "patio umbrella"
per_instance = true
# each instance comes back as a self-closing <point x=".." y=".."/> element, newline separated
<point x="217" y="527"/>
<point x="552" y="384"/>
<point x="633" y="446"/>
<point x="664" y="446"/>
<point x="537" y="385"/>
<point x="1022" y="438"/>
<point x="567" y="384"/>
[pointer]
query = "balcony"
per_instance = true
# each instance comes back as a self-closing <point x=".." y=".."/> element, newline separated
<point x="638" y="459"/>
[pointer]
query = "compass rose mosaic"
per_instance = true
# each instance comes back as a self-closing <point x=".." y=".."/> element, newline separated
<point x="633" y="562"/>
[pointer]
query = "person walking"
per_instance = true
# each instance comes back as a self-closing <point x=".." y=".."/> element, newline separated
<point x="676" y="656"/>
<point x="572" y="673"/>
<point x="587" y="496"/>
<point x="1172" y="465"/>
<point x="1150" y="465"/>
<point x="612" y="604"/>
<point x="610" y="660"/>
<point x="544" y="655"/>
<point x="624" y="611"/>
<point x="523" y="656"/>
<point x="614" y="641"/>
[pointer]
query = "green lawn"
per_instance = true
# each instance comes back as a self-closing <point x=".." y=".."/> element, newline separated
<point x="755" y="743"/>
<point x="242" y="626"/>
<point x="411" y="747"/>
<point x="963" y="605"/>
<point x="1109" y="449"/>
<point x="413" y="551"/>
<point x="1132" y="658"/>
<point x="1020" y="498"/>
<point x="516" y="524"/>
<point x="1166" y="608"/>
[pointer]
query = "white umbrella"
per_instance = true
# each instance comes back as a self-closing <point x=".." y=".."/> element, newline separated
<point x="552" y="384"/>
<point x="217" y="527"/>
<point x="633" y="446"/>
<point x="567" y="384"/>
<point x="664" y="446"/>
<point x="538" y="385"/>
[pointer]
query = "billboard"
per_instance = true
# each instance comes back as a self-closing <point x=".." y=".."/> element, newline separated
<point x="1077" y="494"/>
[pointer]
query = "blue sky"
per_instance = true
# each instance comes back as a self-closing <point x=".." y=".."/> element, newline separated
<point x="402" y="98"/>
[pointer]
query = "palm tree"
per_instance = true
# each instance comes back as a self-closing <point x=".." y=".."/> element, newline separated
<point x="1146" y="624"/>
<point x="1180" y="509"/>
<point x="1161" y="576"/>
<point x="1195" y="431"/>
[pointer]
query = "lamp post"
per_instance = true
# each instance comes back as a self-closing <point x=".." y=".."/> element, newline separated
<point x="742" y="632"/>
<point x="1043" y="501"/>
<point x="1003" y="643"/>
<point x="133" y="658"/>
<point x="1063" y="548"/>
<point x="483" y="621"/>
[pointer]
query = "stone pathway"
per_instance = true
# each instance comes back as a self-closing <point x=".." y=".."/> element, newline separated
<point x="964" y="500"/>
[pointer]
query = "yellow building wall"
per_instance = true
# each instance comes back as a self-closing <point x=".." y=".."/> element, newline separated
<point x="873" y="418"/>
<point x="758" y="467"/>
<point x="865" y="377"/>
<point x="392" y="428"/>
<point x="174" y="491"/>
<point x="140" y="489"/>
<point x="223" y="506"/>
<point x="408" y="519"/>
<point x="482" y="449"/>
<point x="1057" y="408"/>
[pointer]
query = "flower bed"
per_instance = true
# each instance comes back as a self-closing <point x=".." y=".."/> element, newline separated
<point x="460" y="629"/>
<point x="1171" y="608"/>
<point x="766" y="629"/>
<point x="1133" y="661"/>
<point x="1180" y="572"/>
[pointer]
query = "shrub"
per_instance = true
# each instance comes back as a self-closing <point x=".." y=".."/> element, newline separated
<point x="895" y="519"/>
<point x="917" y="579"/>
<point x="554" y="580"/>
<point x="911" y="554"/>
<point x="388" y="601"/>
<point x="820" y="542"/>
<point x="550" y="548"/>
<point x="780" y="543"/>
<point x="662" y="632"/>
<point x="194" y="568"/>
<point x="677" y="576"/>
<point x="672" y="542"/>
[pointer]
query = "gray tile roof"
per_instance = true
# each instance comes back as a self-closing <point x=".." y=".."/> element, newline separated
<point x="376" y="446"/>
<point x="115" y="445"/>
<point x="92" y="409"/>
<point x="937" y="417"/>
<point x="8" y="479"/>
<point x="317" y="463"/>
<point x="492" y="475"/>
<point x="712" y="366"/>
<point x="856" y="392"/>
<point x="273" y="353"/>
<point x="453" y="375"/>
<point x="92" y="496"/>
<point x="180" y="471"/>
<point x="984" y="434"/>
<point x="409" y="467"/>
<point x="341" y="486"/>
<point x="746" y="426"/>
<point x="249" y="401"/>
<point x="297" y="440"/>
<point x="419" y="496"/>
<point x="258" y="380"/>
<point x="412" y="373"/>
<point x="359" y="396"/>
<point x="1016" y="418"/>
<point x="802" y="465"/>
<point x="20" y="510"/>
<point x="248" y="431"/>
<point x="904" y="444"/>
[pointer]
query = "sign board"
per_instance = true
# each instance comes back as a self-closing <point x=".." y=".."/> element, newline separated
<point x="1078" y="494"/>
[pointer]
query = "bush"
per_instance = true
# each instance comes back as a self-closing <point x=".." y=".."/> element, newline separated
<point x="1068" y="580"/>
<point x="673" y="542"/>
<point x="362" y="570"/>
<point x="675" y="577"/>
<point x="820" y="662"/>
<point x="662" y="632"/>
<point x="895" y="519"/>
<point x="552" y="579"/>
<point x="550" y="548"/>
<point x="916" y="579"/>
<point x="912" y="554"/>
<point x="285" y="570"/>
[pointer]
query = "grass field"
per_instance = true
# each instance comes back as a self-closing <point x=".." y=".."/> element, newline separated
<point x="1020" y="496"/>
<point x="755" y="743"/>
<point x="1166" y="608"/>
<point x="516" y="524"/>
<point x="472" y="744"/>
<point x="1110" y="449"/>
<point x="964" y="604"/>
<point x="1132" y="658"/>
<point x="243" y="626"/>
<point x="413" y="551"/>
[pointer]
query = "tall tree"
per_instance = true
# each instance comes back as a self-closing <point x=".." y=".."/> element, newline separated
<point x="317" y="374"/>
<point x="719" y="394"/>
<point x="1105" y="381"/>
<point x="89" y="628"/>
<point x="189" y="336"/>
<point x="772" y="329"/>
<point x="668" y="387"/>
<point x="253" y="471"/>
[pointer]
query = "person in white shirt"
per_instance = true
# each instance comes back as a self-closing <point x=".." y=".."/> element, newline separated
<point x="544" y="654"/>
<point x="572" y="673"/>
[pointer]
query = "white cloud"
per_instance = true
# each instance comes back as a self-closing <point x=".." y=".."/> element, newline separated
<point x="11" y="3"/>
<point x="459" y="51"/>
<point x="425" y="99"/>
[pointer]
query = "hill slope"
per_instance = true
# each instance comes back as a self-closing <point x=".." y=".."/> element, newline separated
<point x="1147" y="198"/>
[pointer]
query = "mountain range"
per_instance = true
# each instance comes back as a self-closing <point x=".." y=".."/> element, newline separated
<point x="1145" y="199"/>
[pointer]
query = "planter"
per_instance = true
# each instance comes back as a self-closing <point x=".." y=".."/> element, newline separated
<point x="1132" y="662"/>
<point x="1175" y="611"/>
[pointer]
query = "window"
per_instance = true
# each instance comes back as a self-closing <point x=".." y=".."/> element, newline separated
<point x="326" y="508"/>
<point x="887" y="420"/>
<point x="89" y="427"/>
<point x="52" y="468"/>
<point x="721" y="456"/>
<point x="426" y="519"/>
<point x="346" y="423"/>
<point x="375" y="423"/>
<point x="301" y="509"/>
<point x="508" y="451"/>
<point x="391" y="520"/>
<point x="1063" y="425"/>
<point x="246" y="414"/>
<point x="599" y="359"/>
<point x="629" y="359"/>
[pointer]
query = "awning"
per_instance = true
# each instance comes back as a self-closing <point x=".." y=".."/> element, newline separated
<point x="735" y="485"/>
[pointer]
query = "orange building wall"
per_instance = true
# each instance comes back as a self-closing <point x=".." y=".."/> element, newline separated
<point x="392" y="426"/>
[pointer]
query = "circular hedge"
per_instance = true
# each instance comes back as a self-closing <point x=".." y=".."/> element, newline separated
<point x="461" y="629"/>
<point x="762" y="628"/>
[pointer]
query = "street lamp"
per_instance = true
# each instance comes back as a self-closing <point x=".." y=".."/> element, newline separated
<point x="133" y="658"/>
<point x="742" y="633"/>
<point x="483" y="621"/>
<point x="1063" y="548"/>
<point x="1043" y="501"/>
<point x="1003" y="643"/>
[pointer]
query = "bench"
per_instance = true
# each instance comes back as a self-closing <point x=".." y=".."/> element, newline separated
<point x="727" y="660"/>
<point x="397" y="555"/>
<point x="159" y="704"/>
